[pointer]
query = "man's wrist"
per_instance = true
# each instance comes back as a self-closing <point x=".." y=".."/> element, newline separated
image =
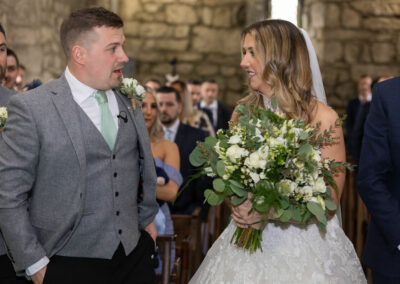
<point x="37" y="266"/>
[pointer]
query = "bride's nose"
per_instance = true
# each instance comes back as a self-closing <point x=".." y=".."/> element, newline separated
<point x="244" y="63"/>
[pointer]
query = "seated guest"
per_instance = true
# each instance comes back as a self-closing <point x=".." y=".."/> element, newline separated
<point x="219" y="114"/>
<point x="185" y="137"/>
<point x="153" y="83"/>
<point x="190" y="115"/>
<point x="166" y="157"/>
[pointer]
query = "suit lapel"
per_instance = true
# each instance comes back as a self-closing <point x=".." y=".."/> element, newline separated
<point x="66" y="107"/>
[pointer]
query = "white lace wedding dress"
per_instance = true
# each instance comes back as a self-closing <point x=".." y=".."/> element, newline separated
<point x="291" y="254"/>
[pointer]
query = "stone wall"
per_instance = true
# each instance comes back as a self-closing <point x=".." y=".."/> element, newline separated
<point x="353" y="38"/>
<point x="203" y="36"/>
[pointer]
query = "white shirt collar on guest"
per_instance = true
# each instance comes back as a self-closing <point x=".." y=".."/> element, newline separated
<point x="213" y="105"/>
<point x="369" y="98"/>
<point x="173" y="128"/>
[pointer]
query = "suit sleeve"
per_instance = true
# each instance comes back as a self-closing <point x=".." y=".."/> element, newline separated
<point x="148" y="206"/>
<point x="375" y="171"/>
<point x="19" y="152"/>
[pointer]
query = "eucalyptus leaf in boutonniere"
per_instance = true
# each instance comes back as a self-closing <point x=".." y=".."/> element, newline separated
<point x="132" y="90"/>
<point x="3" y="117"/>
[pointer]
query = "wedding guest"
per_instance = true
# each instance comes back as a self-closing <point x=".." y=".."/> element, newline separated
<point x="153" y="83"/>
<point x="167" y="161"/>
<point x="7" y="273"/>
<point x="19" y="82"/>
<point x="72" y="156"/>
<point x="357" y="111"/>
<point x="12" y="70"/>
<point x="379" y="182"/>
<point x="194" y="89"/>
<point x="220" y="115"/>
<point x="186" y="137"/>
<point x="190" y="115"/>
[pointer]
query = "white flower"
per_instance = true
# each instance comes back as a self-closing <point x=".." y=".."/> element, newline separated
<point x="255" y="161"/>
<point x="287" y="187"/>
<point x="217" y="148"/>
<point x="3" y="112"/>
<point x="234" y="153"/>
<point x="320" y="185"/>
<point x="263" y="151"/>
<point x="235" y="139"/>
<point x="255" y="177"/>
<point x="132" y="89"/>
<point x="279" y="141"/>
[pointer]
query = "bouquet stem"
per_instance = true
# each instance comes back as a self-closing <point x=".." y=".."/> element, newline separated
<point x="248" y="239"/>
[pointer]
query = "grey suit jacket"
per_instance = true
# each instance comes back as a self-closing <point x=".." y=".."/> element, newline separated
<point x="42" y="172"/>
<point x="5" y="95"/>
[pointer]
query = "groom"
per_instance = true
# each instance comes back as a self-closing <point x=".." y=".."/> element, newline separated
<point x="379" y="182"/>
<point x="71" y="159"/>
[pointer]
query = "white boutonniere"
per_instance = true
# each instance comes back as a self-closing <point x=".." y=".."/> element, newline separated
<point x="132" y="90"/>
<point x="3" y="116"/>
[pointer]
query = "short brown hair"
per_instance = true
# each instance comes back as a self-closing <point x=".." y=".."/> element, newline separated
<point x="83" y="21"/>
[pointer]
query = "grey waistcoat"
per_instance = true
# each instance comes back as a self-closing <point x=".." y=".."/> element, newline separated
<point x="112" y="177"/>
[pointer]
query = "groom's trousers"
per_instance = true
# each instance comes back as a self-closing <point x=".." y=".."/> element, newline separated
<point x="7" y="272"/>
<point x="121" y="269"/>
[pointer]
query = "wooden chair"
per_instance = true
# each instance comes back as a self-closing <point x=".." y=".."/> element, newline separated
<point x="164" y="243"/>
<point x="188" y="243"/>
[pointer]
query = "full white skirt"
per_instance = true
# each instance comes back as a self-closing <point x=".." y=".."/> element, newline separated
<point x="291" y="254"/>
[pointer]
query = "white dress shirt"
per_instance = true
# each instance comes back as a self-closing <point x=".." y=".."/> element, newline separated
<point x="214" y="110"/>
<point x="173" y="129"/>
<point x="83" y="96"/>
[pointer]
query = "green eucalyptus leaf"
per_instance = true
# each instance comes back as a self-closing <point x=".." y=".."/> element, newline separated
<point x="211" y="141"/>
<point x="278" y="212"/>
<point x="197" y="158"/>
<point x="220" y="168"/>
<point x="296" y="214"/>
<point x="305" y="150"/>
<point x="330" y="205"/>
<point x="286" y="216"/>
<point x="317" y="211"/>
<point x="212" y="198"/>
<point x="236" y="200"/>
<point x="219" y="185"/>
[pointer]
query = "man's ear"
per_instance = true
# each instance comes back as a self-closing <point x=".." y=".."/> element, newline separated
<point x="78" y="54"/>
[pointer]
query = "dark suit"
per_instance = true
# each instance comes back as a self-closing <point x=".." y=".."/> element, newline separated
<point x="186" y="138"/>
<point x="379" y="180"/>
<point x="352" y="109"/>
<point x="223" y="116"/>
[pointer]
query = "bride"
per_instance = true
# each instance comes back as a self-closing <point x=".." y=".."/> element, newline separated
<point x="281" y="64"/>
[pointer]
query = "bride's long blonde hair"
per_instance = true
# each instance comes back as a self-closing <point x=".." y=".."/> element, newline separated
<point x="282" y="52"/>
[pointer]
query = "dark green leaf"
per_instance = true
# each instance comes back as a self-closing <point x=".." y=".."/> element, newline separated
<point x="330" y="205"/>
<point x="197" y="158"/>
<point x="212" y="198"/>
<point x="236" y="200"/>
<point x="286" y="216"/>
<point x="317" y="211"/>
<point x="211" y="141"/>
<point x="220" y="168"/>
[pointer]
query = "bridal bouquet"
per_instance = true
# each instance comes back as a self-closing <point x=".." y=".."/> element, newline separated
<point x="3" y="116"/>
<point x="273" y="161"/>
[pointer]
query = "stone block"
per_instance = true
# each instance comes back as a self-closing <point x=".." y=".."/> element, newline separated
<point x="186" y="56"/>
<point x="228" y="70"/>
<point x="152" y="56"/>
<point x="207" y="16"/>
<point x="366" y="54"/>
<point x="184" y="68"/>
<point x="167" y="44"/>
<point x="151" y="30"/>
<point x="222" y="17"/>
<point x="225" y="41"/>
<point x="206" y="69"/>
<point x="383" y="52"/>
<point x="133" y="46"/>
<point x="333" y="51"/>
<point x="236" y="83"/>
<point x="128" y="9"/>
<point x="222" y="2"/>
<point x="181" y="31"/>
<point x="231" y="98"/>
<point x="332" y="15"/>
<point x="152" y="7"/>
<point x="132" y="28"/>
<point x="351" y="52"/>
<point x="374" y="70"/>
<point x="345" y="35"/>
<point x="181" y="14"/>
<point x="350" y="18"/>
<point x="377" y="8"/>
<point x="162" y="68"/>
<point x="318" y="15"/>
<point x="382" y="23"/>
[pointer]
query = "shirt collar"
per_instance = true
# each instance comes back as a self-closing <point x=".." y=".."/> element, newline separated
<point x="214" y="105"/>
<point x="369" y="98"/>
<point x="173" y="127"/>
<point x="79" y="90"/>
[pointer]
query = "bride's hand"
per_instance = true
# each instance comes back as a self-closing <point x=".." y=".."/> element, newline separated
<point x="243" y="219"/>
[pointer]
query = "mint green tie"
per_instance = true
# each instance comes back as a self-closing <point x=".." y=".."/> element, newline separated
<point x="107" y="125"/>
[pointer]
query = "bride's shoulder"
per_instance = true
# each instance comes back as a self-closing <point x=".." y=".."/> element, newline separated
<point x="324" y="114"/>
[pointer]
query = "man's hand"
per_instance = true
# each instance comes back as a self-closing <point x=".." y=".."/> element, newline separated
<point x="38" y="277"/>
<point x="152" y="230"/>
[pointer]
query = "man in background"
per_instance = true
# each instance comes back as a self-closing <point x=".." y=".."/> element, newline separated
<point x="12" y="70"/>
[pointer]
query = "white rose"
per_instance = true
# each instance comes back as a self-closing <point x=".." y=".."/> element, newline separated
<point x="235" y="139"/>
<point x="320" y="185"/>
<point x="286" y="187"/>
<point x="255" y="177"/>
<point x="140" y="91"/>
<point x="263" y="151"/>
<point x="128" y="81"/>
<point x="255" y="161"/>
<point x="235" y="152"/>
<point x="316" y="155"/>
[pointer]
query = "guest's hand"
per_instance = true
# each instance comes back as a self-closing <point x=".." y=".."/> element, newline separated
<point x="152" y="230"/>
<point x="38" y="277"/>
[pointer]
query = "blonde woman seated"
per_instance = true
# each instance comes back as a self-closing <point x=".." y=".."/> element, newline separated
<point x="167" y="161"/>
